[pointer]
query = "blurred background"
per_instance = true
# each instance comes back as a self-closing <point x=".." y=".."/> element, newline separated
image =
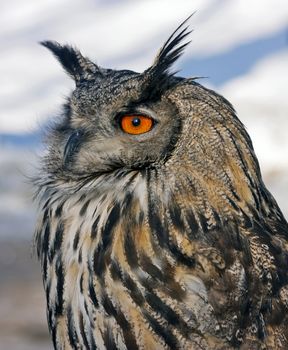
<point x="240" y="46"/>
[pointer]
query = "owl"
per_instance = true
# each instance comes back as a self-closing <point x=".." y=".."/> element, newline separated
<point x="155" y="228"/>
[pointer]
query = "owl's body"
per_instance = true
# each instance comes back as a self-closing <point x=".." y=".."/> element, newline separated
<point x="163" y="239"/>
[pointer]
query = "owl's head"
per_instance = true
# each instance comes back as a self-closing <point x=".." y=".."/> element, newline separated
<point x="126" y="120"/>
<point x="116" y="119"/>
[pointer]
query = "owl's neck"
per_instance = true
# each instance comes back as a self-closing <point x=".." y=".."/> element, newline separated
<point x="165" y="208"/>
<point x="193" y="201"/>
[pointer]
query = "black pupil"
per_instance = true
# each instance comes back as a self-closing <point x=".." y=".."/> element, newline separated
<point x="136" y="121"/>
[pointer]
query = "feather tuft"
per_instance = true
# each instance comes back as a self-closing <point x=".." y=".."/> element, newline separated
<point x="78" y="67"/>
<point x="156" y="76"/>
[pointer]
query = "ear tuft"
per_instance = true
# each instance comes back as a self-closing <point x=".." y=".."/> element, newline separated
<point x="173" y="48"/>
<point x="77" y="66"/>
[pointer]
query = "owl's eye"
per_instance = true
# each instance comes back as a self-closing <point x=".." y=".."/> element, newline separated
<point x="136" y="124"/>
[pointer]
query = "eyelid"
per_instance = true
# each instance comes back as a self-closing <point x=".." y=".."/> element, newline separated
<point x="139" y="110"/>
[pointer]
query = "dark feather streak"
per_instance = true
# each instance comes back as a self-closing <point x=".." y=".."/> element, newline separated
<point x="60" y="287"/>
<point x="162" y="331"/>
<point x="121" y="320"/>
<point x="72" y="334"/>
<point x="56" y="245"/>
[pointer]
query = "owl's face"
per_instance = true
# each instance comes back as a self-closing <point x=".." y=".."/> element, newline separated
<point x="108" y="127"/>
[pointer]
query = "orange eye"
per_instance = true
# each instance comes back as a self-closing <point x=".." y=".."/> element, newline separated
<point x="136" y="124"/>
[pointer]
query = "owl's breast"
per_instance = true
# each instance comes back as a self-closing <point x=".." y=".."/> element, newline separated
<point x="135" y="267"/>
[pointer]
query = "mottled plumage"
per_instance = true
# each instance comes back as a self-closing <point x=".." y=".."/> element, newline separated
<point x="166" y="239"/>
